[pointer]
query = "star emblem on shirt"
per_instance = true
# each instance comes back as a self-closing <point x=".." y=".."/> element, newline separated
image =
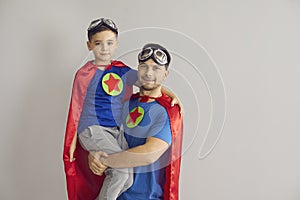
<point x="135" y="117"/>
<point x="112" y="84"/>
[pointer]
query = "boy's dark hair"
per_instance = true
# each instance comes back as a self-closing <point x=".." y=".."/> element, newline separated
<point x="99" y="29"/>
<point x="101" y="24"/>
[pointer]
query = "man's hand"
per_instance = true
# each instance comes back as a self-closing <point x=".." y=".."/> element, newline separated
<point x="95" y="164"/>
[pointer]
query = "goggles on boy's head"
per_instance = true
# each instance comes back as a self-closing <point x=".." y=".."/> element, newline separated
<point x="158" y="55"/>
<point x="102" y="21"/>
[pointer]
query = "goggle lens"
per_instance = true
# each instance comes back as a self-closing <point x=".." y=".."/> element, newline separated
<point x="101" y="21"/>
<point x="158" y="55"/>
<point x="145" y="54"/>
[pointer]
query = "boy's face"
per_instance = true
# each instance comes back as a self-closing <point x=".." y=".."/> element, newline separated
<point x="151" y="75"/>
<point x="104" y="45"/>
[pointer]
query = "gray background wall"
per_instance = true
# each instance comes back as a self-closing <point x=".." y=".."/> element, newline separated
<point x="254" y="44"/>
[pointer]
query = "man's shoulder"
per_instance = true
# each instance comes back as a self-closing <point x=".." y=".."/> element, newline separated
<point x="163" y="103"/>
<point x="157" y="109"/>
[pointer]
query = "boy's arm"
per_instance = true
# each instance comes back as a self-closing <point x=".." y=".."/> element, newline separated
<point x="72" y="148"/>
<point x="138" y="156"/>
<point x="137" y="84"/>
<point x="175" y="99"/>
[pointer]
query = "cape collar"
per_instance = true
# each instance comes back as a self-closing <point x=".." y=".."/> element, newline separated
<point x="114" y="63"/>
<point x="144" y="98"/>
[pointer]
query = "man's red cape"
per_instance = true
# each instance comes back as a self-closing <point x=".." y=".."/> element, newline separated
<point x="82" y="184"/>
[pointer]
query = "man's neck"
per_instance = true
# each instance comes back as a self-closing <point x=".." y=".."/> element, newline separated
<point x="151" y="93"/>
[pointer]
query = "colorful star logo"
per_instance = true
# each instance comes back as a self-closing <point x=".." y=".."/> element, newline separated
<point x="112" y="84"/>
<point x="135" y="117"/>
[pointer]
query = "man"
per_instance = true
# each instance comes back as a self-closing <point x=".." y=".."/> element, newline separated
<point x="153" y="131"/>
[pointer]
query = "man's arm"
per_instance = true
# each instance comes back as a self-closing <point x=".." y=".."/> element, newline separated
<point x="138" y="156"/>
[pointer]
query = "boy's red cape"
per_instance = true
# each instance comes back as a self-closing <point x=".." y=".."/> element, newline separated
<point x="82" y="184"/>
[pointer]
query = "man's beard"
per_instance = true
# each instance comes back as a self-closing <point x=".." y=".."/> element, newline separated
<point x="149" y="88"/>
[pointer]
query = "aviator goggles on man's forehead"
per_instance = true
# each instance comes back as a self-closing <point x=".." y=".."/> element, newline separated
<point x="158" y="55"/>
<point x="102" y="21"/>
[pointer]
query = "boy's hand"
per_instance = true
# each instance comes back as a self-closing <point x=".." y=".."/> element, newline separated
<point x="174" y="101"/>
<point x="72" y="148"/>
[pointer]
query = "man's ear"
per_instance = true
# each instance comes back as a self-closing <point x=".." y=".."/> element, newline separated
<point x="88" y="44"/>
<point x="166" y="74"/>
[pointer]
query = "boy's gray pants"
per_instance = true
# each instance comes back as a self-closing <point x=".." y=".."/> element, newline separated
<point x="109" y="140"/>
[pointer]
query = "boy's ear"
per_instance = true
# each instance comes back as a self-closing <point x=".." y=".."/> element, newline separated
<point x="88" y="44"/>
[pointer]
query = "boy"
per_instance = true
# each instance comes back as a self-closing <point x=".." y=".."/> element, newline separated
<point x="99" y="88"/>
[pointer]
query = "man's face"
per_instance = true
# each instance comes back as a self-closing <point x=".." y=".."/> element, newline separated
<point x="151" y="75"/>
<point x="104" y="45"/>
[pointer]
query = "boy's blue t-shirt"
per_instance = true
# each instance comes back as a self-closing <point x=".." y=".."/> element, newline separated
<point x="148" y="180"/>
<point x="103" y="99"/>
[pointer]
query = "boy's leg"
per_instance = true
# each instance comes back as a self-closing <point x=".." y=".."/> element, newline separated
<point x="115" y="182"/>
<point x="122" y="140"/>
<point x="98" y="138"/>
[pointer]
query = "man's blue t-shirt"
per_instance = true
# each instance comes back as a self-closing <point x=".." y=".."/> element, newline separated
<point x="148" y="180"/>
<point x="103" y="99"/>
